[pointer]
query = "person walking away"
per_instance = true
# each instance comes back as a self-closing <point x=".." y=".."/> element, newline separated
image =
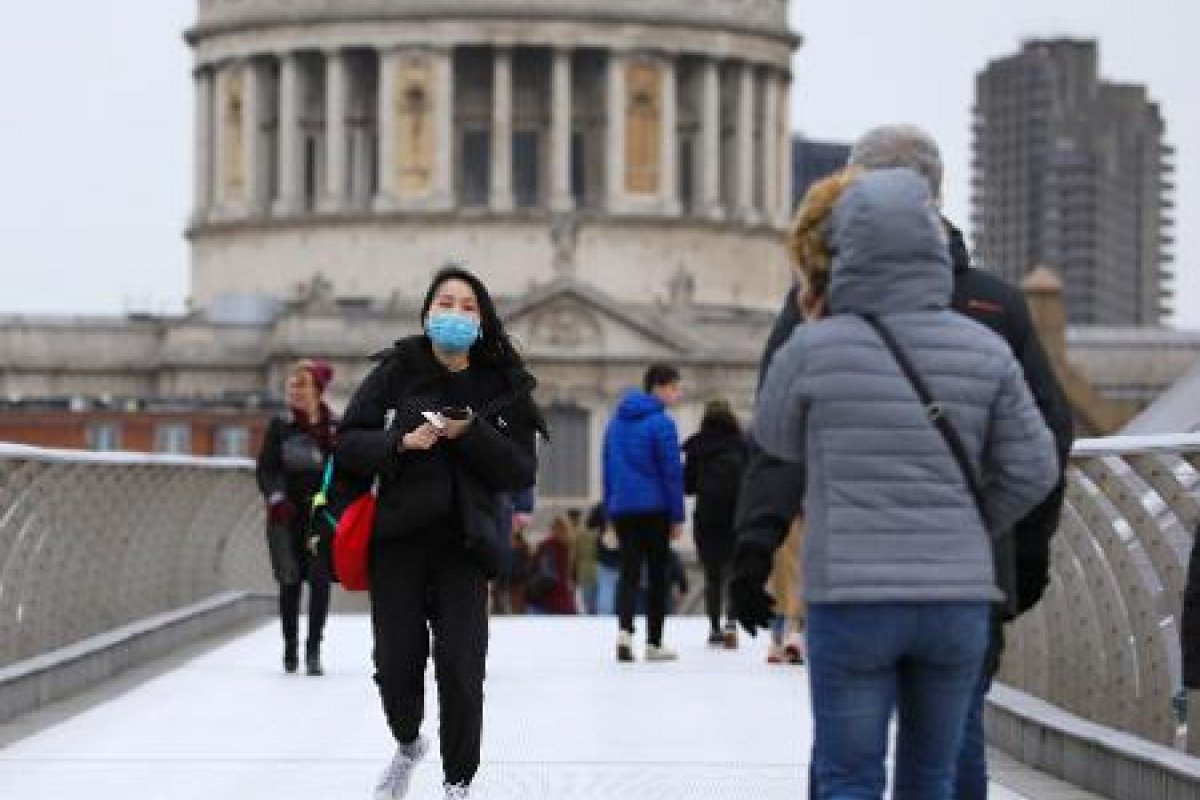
<point x="714" y="461"/>
<point x="608" y="559"/>
<point x="1022" y="554"/>
<point x="289" y="471"/>
<point x="447" y="422"/>
<point x="584" y="561"/>
<point x="898" y="610"/>
<point x="643" y="498"/>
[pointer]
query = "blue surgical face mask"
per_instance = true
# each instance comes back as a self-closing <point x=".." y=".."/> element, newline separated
<point x="451" y="331"/>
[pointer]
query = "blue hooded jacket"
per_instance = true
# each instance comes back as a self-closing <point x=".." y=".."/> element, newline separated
<point x="643" y="473"/>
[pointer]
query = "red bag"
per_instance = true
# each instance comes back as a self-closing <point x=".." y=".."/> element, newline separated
<point x="351" y="541"/>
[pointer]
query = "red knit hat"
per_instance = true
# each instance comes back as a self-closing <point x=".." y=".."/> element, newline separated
<point x="321" y="371"/>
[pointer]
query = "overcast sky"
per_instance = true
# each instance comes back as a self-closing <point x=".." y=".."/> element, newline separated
<point x="96" y="140"/>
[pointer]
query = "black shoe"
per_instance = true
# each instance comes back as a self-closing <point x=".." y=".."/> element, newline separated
<point x="291" y="660"/>
<point x="312" y="661"/>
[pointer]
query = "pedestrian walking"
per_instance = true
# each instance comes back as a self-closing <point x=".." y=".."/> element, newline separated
<point x="290" y="469"/>
<point x="447" y="423"/>
<point x="643" y="498"/>
<point x="714" y="461"/>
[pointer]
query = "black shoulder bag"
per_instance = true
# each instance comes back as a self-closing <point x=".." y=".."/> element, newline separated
<point x="933" y="410"/>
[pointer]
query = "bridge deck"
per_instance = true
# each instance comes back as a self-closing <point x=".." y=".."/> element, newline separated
<point x="563" y="721"/>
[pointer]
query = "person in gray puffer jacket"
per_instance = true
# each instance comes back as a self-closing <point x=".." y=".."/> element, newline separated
<point x="898" y="561"/>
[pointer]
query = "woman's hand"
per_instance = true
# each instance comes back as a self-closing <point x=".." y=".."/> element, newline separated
<point x="421" y="438"/>
<point x="456" y="427"/>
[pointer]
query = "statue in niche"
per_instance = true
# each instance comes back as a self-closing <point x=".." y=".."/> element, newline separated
<point x="414" y="129"/>
<point x="316" y="294"/>
<point x="643" y="126"/>
<point x="564" y="235"/>
<point x="681" y="288"/>
<point x="233" y="144"/>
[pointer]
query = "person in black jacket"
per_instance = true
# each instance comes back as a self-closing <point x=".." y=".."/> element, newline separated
<point x="771" y="495"/>
<point x="447" y="422"/>
<point x="714" y="460"/>
<point x="289" y="472"/>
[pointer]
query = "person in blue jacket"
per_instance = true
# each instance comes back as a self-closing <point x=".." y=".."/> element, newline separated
<point x="643" y="497"/>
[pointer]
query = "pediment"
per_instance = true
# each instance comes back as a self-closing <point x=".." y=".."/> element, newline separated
<point x="573" y="320"/>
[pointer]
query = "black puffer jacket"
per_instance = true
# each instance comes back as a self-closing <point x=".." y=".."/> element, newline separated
<point x="291" y="463"/>
<point x="451" y="490"/>
<point x="1189" y="627"/>
<point x="714" y="461"/>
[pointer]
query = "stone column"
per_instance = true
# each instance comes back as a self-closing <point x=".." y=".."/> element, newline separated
<point x="502" y="140"/>
<point x="614" y="183"/>
<point x="669" y="174"/>
<point x="443" y="155"/>
<point x="252" y="143"/>
<point x="337" y="93"/>
<point x="204" y="156"/>
<point x="770" y="144"/>
<point x="710" y="141"/>
<point x="560" y="133"/>
<point x="291" y="167"/>
<point x="744" y="195"/>
<point x="785" y="150"/>
<point x="389" y="64"/>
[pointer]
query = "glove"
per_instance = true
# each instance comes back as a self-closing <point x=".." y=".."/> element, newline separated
<point x="752" y="606"/>
<point x="280" y="511"/>
<point x="1033" y="575"/>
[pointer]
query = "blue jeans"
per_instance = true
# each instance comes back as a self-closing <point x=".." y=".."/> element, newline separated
<point x="972" y="780"/>
<point x="866" y="659"/>
<point x="606" y="589"/>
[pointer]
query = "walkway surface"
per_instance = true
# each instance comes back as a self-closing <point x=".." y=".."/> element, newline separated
<point x="563" y="721"/>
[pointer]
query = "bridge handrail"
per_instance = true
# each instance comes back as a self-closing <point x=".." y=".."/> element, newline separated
<point x="90" y="542"/>
<point x="1104" y="641"/>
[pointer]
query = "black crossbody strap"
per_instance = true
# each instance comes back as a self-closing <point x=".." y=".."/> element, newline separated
<point x="933" y="410"/>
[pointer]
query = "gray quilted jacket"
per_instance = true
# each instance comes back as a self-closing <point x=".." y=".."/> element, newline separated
<point x="889" y="516"/>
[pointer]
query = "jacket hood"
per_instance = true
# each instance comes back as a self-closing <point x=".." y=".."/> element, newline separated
<point x="890" y="249"/>
<point x="636" y="404"/>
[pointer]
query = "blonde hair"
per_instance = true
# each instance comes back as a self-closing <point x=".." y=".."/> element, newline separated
<point x="808" y="239"/>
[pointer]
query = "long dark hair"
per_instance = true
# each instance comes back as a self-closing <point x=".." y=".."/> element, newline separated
<point x="719" y="419"/>
<point x="493" y="346"/>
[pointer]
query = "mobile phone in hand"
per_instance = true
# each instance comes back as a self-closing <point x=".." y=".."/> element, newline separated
<point x="435" y="419"/>
<point x="457" y="413"/>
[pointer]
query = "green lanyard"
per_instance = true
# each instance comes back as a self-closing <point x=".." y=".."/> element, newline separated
<point x="320" y="500"/>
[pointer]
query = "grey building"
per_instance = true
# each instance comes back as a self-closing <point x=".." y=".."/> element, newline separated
<point x="1073" y="172"/>
<point x="813" y="160"/>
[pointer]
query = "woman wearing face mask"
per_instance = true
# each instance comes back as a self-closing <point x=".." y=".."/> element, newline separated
<point x="447" y="422"/>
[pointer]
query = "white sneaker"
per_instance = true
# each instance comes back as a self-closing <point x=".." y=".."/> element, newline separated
<point x="393" y="783"/>
<point x="657" y="652"/>
<point x="624" y="646"/>
<point x="457" y="791"/>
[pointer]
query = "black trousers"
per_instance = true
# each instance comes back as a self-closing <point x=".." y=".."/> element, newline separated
<point x="419" y="587"/>
<point x="644" y="538"/>
<point x="716" y="580"/>
<point x="317" y="577"/>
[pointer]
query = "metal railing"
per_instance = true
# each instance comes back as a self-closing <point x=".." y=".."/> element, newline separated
<point x="1104" y="641"/>
<point x="90" y="542"/>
